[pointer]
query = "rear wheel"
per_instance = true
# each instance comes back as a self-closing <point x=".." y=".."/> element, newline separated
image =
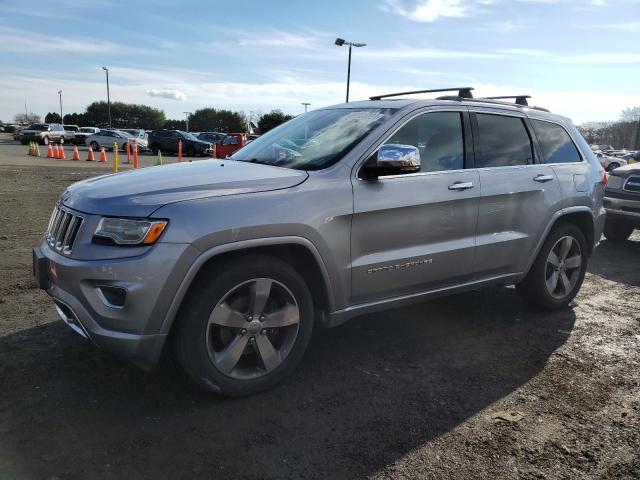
<point x="245" y="327"/>
<point x="61" y="141"/>
<point x="612" y="166"/>
<point x="94" y="145"/>
<point x="154" y="148"/>
<point x="558" y="271"/>
<point x="45" y="140"/>
<point x="617" y="231"/>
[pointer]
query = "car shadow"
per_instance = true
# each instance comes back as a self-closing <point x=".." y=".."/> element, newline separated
<point x="611" y="261"/>
<point x="366" y="394"/>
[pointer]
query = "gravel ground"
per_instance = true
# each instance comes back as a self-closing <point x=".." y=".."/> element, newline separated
<point x="472" y="386"/>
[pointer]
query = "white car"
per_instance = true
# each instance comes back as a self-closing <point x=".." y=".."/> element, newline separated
<point x="610" y="163"/>
<point x="106" y="139"/>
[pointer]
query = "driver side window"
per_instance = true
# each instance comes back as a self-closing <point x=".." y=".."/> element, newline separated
<point x="438" y="136"/>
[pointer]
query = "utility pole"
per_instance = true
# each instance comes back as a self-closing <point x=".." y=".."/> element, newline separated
<point x="60" y="95"/>
<point x="306" y="104"/>
<point x="187" y="115"/>
<point x="108" y="97"/>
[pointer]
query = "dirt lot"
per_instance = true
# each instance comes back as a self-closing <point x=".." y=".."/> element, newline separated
<point x="411" y="393"/>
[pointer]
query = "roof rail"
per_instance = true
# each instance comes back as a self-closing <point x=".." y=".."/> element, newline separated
<point x="519" y="99"/>
<point x="463" y="92"/>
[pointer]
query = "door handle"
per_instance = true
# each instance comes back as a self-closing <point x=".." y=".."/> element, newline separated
<point x="543" y="178"/>
<point x="460" y="186"/>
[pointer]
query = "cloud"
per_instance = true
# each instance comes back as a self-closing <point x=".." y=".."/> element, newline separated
<point x="171" y="94"/>
<point x="427" y="10"/>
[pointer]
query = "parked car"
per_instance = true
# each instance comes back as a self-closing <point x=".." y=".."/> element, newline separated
<point x="622" y="202"/>
<point x="231" y="143"/>
<point x="70" y="133"/>
<point x="82" y="134"/>
<point x="107" y="138"/>
<point x="167" y="142"/>
<point x="43" y="133"/>
<point x="135" y="132"/>
<point x="211" y="137"/>
<point x="631" y="157"/>
<point x="16" y="133"/>
<point x="610" y="163"/>
<point x="9" y="128"/>
<point x="340" y="212"/>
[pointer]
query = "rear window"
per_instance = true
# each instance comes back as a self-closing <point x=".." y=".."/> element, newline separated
<point x="555" y="143"/>
<point x="503" y="141"/>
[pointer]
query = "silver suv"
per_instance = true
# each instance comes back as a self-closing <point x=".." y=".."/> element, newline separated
<point x="342" y="211"/>
<point x="43" y="133"/>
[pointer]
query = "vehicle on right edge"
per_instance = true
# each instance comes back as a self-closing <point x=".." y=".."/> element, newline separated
<point x="622" y="202"/>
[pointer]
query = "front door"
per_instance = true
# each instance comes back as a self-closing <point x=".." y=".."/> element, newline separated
<point x="416" y="231"/>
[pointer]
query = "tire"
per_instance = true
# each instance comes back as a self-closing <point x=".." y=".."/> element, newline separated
<point x="616" y="231"/>
<point x="61" y="141"/>
<point x="203" y="347"/>
<point x="94" y="146"/>
<point x="154" y="148"/>
<point x="45" y="140"/>
<point x="612" y="166"/>
<point x="540" y="287"/>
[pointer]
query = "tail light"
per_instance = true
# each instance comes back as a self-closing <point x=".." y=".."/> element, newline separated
<point x="604" y="177"/>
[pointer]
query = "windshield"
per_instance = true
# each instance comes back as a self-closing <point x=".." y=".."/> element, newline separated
<point x="37" y="126"/>
<point x="124" y="134"/>
<point x="189" y="136"/>
<point x="314" y="140"/>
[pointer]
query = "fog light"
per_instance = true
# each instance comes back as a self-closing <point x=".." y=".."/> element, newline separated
<point x="113" y="296"/>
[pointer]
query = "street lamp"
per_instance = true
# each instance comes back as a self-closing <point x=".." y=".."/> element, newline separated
<point x="306" y="104"/>
<point x="187" y="114"/>
<point x="108" y="97"/>
<point x="60" y="95"/>
<point x="340" y="42"/>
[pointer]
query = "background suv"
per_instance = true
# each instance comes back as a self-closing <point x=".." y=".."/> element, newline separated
<point x="167" y="142"/>
<point x="43" y="133"/>
<point x="339" y="212"/>
<point x="622" y="202"/>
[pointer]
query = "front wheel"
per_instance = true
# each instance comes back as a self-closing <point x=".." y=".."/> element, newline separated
<point x="245" y="326"/>
<point x="558" y="271"/>
<point x="61" y="141"/>
<point x="616" y="231"/>
<point x="612" y="166"/>
<point x="45" y="140"/>
<point x="94" y="146"/>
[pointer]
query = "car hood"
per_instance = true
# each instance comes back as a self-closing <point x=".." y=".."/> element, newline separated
<point x="626" y="170"/>
<point x="138" y="193"/>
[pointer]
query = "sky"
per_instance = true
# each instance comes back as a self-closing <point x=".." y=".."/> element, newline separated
<point x="579" y="58"/>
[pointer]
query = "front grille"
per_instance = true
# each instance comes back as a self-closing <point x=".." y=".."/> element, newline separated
<point x="633" y="184"/>
<point x="63" y="230"/>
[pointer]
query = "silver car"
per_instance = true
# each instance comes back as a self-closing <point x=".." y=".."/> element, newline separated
<point x="107" y="138"/>
<point x="340" y="212"/>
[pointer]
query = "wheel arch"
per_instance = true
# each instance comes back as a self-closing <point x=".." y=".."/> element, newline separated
<point x="299" y="252"/>
<point x="581" y="216"/>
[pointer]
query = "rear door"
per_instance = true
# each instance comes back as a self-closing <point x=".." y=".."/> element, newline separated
<point x="414" y="232"/>
<point x="518" y="193"/>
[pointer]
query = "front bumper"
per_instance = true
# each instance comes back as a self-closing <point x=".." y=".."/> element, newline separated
<point x="132" y="330"/>
<point x="623" y="209"/>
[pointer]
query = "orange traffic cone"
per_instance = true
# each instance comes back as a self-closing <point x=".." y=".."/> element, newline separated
<point x="90" y="155"/>
<point x="56" y="153"/>
<point x="103" y="156"/>
<point x="76" y="155"/>
<point x="128" y="148"/>
<point x="62" y="157"/>
<point x="50" y="152"/>
<point x="135" y="155"/>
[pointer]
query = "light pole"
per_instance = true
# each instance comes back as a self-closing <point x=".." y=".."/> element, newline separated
<point x="60" y="95"/>
<point x="340" y="42"/>
<point x="187" y="115"/>
<point x="306" y="104"/>
<point x="108" y="97"/>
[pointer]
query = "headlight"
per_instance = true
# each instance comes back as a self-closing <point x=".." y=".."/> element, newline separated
<point x="127" y="231"/>
<point x="614" y="182"/>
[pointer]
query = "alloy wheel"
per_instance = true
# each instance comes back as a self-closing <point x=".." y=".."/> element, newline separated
<point x="564" y="264"/>
<point x="252" y="328"/>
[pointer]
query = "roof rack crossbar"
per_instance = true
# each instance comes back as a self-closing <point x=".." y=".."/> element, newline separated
<point x="519" y="99"/>
<point x="463" y="92"/>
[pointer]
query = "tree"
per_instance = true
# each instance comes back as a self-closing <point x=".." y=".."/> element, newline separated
<point x="24" y="118"/>
<point x="272" y="119"/>
<point x="173" y="124"/>
<point x="631" y="114"/>
<point x="124" y="115"/>
<point x="211" y="119"/>
<point x="52" y="117"/>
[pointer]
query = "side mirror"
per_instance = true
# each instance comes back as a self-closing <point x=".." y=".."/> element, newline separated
<point x="392" y="159"/>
